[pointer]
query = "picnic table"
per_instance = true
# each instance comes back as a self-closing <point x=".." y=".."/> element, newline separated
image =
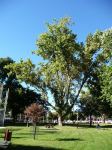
<point x="49" y="125"/>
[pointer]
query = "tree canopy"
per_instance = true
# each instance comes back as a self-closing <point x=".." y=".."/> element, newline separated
<point x="67" y="64"/>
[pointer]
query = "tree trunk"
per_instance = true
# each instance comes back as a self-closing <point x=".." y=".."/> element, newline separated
<point x="90" y="123"/>
<point x="27" y="123"/>
<point x="34" y="130"/>
<point x="104" y="118"/>
<point x="60" y="120"/>
<point x="14" y="119"/>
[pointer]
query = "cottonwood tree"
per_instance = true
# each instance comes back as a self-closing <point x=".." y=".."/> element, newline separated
<point x="66" y="65"/>
<point x="34" y="112"/>
<point x="99" y="82"/>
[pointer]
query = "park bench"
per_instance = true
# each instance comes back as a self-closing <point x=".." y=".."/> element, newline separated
<point x="7" y="140"/>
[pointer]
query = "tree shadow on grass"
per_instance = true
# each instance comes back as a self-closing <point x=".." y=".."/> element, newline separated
<point x="70" y="139"/>
<point x="44" y="132"/>
<point x="27" y="135"/>
<point x="21" y="147"/>
<point x="106" y="126"/>
<point x="48" y="129"/>
<point x="82" y="125"/>
<point x="31" y="133"/>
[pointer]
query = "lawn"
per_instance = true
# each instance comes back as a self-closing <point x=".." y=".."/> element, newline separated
<point x="65" y="138"/>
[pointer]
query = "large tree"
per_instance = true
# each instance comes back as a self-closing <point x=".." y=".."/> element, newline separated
<point x="99" y="81"/>
<point x="66" y="65"/>
<point x="106" y="73"/>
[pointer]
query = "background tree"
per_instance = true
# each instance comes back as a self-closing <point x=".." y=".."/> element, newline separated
<point x="100" y="79"/>
<point x="103" y="108"/>
<point x="94" y="87"/>
<point x="67" y="64"/>
<point x="106" y="82"/>
<point x="3" y="71"/>
<point x="34" y="112"/>
<point x="19" y="97"/>
<point x="52" y="117"/>
<point x="89" y="105"/>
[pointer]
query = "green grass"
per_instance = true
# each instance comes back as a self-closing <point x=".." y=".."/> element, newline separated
<point x="65" y="138"/>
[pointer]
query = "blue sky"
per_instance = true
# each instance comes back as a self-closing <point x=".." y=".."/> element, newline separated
<point x="22" y="21"/>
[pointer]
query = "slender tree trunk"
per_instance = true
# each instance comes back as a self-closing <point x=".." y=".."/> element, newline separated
<point x="27" y="123"/>
<point x="60" y="120"/>
<point x="104" y="118"/>
<point x="90" y="123"/>
<point x="14" y="119"/>
<point x="34" y="130"/>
